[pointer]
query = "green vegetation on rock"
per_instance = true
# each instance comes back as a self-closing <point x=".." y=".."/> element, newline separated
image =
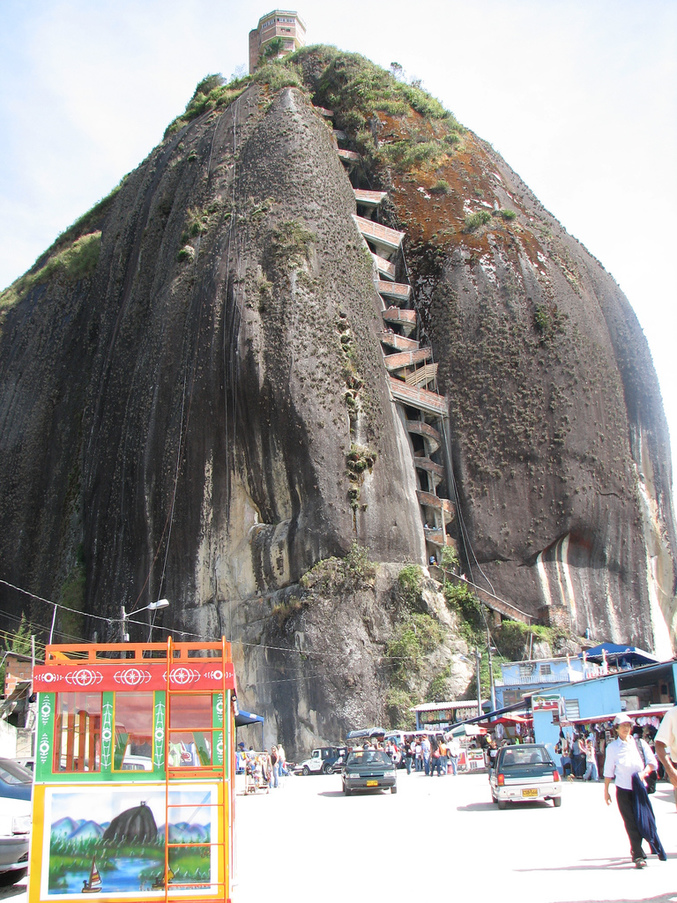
<point x="398" y="709"/>
<point x="474" y="220"/>
<point x="410" y="581"/>
<point x="414" y="637"/>
<point x="211" y="93"/>
<point x="69" y="264"/>
<point x="289" y="246"/>
<point x="359" y="460"/>
<point x="353" y="572"/>
<point x="514" y="638"/>
<point x="467" y="607"/>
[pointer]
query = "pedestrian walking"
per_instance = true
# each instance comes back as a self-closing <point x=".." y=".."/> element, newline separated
<point x="453" y="751"/>
<point x="409" y="754"/>
<point x="577" y="757"/>
<point x="591" y="773"/>
<point x="273" y="773"/>
<point x="666" y="746"/>
<point x="419" y="756"/>
<point x="626" y="758"/>
<point x="427" y="749"/>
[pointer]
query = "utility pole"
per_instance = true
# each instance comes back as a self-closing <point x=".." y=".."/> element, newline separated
<point x="491" y="674"/>
<point x="478" y="661"/>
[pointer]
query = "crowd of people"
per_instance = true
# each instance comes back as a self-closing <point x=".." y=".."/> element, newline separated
<point x="631" y="760"/>
<point x="583" y="753"/>
<point x="262" y="770"/>
<point x="425" y="753"/>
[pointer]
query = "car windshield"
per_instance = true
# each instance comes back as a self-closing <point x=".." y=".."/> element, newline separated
<point x="12" y="773"/>
<point x="535" y="755"/>
<point x="368" y="757"/>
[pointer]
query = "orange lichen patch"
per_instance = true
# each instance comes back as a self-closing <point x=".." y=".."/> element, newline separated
<point x="435" y="199"/>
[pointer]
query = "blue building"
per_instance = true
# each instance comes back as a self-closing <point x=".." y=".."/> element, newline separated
<point x="644" y="693"/>
<point x="520" y="679"/>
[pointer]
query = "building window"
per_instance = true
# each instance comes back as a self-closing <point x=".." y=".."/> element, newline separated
<point x="572" y="709"/>
<point x="546" y="670"/>
<point x="525" y="671"/>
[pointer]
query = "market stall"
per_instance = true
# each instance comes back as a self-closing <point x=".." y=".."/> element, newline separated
<point x="133" y="793"/>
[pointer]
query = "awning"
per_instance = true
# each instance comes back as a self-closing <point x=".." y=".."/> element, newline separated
<point x="243" y="718"/>
<point x="524" y="706"/>
<point x="514" y="719"/>
<point x="465" y="730"/>
<point x="630" y="655"/>
<point x="366" y="733"/>
<point x="655" y="711"/>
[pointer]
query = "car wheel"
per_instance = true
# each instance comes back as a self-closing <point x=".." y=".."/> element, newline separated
<point x="393" y="789"/>
<point x="501" y="804"/>
<point x="557" y="802"/>
<point x="7" y="878"/>
<point x="326" y="768"/>
<point x="306" y="770"/>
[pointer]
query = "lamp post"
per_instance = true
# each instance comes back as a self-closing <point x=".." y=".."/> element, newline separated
<point x="152" y="606"/>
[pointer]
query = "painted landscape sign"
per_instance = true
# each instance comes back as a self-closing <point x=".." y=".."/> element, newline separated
<point x="99" y="842"/>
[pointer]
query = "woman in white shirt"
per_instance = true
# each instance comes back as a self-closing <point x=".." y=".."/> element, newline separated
<point x="623" y="760"/>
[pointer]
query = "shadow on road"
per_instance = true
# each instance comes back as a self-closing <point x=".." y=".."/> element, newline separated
<point x="370" y="792"/>
<point x="662" y="898"/>
<point x="12" y="891"/>
<point x="616" y="865"/>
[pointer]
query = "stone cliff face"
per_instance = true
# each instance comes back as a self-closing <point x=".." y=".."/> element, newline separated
<point x="194" y="404"/>
<point x="560" y="443"/>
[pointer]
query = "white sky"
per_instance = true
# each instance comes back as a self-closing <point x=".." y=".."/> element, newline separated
<point x="579" y="96"/>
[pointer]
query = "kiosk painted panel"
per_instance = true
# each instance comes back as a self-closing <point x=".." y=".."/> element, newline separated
<point x="134" y="785"/>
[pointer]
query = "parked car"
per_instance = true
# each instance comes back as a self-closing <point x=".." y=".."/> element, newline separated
<point x="525" y="772"/>
<point x="340" y="763"/>
<point x="16" y="786"/>
<point x="369" y="769"/>
<point x="321" y="761"/>
<point x="137" y="763"/>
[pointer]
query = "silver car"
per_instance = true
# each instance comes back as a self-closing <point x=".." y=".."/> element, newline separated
<point x="16" y="786"/>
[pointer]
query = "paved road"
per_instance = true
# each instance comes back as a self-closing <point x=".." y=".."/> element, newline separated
<point x="308" y="843"/>
<point x="439" y="839"/>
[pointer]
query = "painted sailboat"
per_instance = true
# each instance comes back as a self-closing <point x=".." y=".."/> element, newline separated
<point x="94" y="885"/>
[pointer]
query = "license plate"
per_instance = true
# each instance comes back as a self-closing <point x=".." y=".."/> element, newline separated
<point x="531" y="791"/>
<point x="372" y="783"/>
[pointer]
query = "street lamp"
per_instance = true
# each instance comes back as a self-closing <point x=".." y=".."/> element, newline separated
<point x="152" y="606"/>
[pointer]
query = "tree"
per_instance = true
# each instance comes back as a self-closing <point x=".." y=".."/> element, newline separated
<point x="450" y="562"/>
<point x="272" y="49"/>
<point x="19" y="642"/>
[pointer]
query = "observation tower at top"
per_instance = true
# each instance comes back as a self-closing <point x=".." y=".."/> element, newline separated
<point x="284" y="27"/>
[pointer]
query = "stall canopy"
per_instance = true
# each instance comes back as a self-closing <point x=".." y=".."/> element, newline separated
<point x="523" y="708"/>
<point x="243" y="718"/>
<point x="465" y="730"/>
<point x="623" y="656"/>
<point x="512" y="719"/>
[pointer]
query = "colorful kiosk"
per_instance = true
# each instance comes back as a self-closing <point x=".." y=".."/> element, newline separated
<point x="134" y="773"/>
